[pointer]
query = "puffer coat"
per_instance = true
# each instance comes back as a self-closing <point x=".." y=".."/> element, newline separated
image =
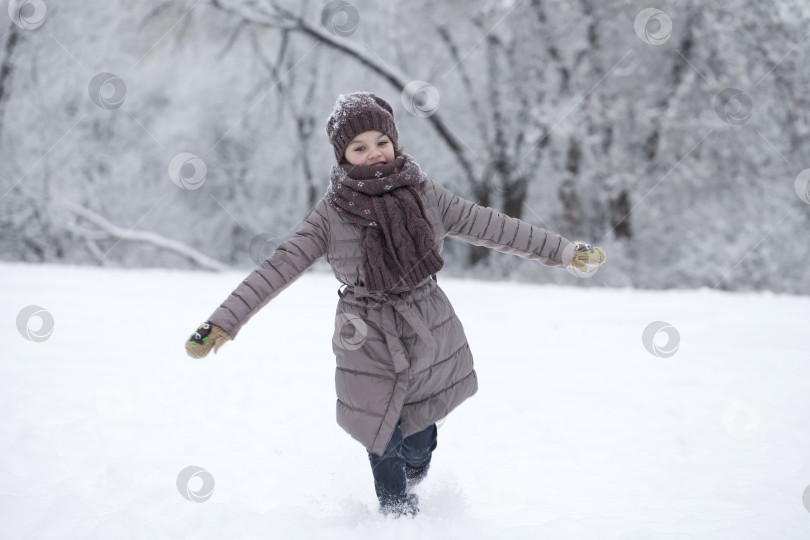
<point x="401" y="353"/>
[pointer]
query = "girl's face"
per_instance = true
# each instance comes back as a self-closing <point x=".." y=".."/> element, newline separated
<point x="370" y="148"/>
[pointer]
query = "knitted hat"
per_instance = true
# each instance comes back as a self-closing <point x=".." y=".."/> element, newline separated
<point x="355" y="113"/>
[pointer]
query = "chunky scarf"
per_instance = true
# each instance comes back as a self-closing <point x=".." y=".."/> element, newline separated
<point x="398" y="243"/>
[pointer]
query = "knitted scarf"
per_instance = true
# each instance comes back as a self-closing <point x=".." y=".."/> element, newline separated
<point x="398" y="244"/>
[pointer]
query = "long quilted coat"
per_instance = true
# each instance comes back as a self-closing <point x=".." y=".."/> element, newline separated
<point x="404" y="352"/>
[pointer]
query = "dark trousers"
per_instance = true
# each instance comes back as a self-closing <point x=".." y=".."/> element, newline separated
<point x="407" y="457"/>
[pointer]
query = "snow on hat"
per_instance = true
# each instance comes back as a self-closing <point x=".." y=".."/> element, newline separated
<point x="356" y="113"/>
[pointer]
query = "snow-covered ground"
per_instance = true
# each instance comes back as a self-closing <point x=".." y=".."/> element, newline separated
<point x="577" y="431"/>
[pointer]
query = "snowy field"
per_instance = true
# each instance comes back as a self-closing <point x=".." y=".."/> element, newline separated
<point x="577" y="431"/>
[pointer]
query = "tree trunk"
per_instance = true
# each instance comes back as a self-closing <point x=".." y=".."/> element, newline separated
<point x="6" y="69"/>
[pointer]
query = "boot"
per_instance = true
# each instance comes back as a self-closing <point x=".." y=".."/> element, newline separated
<point x="414" y="475"/>
<point x="409" y="507"/>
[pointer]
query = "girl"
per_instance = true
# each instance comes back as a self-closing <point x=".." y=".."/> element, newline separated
<point x="403" y="361"/>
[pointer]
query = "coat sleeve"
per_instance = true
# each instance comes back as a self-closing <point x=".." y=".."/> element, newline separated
<point x="287" y="263"/>
<point x="484" y="226"/>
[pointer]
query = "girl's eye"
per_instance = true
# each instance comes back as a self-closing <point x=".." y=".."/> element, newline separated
<point x="361" y="148"/>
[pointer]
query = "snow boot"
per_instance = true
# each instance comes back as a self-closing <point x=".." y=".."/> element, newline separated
<point x="414" y="475"/>
<point x="408" y="507"/>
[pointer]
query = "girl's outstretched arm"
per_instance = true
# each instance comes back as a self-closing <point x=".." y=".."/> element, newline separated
<point x="484" y="226"/>
<point x="287" y="263"/>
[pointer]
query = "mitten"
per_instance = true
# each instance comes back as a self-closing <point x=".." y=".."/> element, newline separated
<point x="586" y="261"/>
<point x="207" y="336"/>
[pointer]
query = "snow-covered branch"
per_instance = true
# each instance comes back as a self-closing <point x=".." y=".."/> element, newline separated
<point x="281" y="17"/>
<point x="111" y="231"/>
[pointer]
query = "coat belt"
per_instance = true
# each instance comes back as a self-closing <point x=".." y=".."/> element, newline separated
<point x="389" y="302"/>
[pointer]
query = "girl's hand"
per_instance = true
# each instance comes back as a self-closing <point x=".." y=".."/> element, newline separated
<point x="587" y="260"/>
<point x="207" y="336"/>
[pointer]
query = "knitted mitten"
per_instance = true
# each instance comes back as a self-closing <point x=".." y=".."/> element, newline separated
<point x="587" y="259"/>
<point x="207" y="336"/>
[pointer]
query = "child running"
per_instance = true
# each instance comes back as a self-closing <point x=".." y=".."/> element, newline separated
<point x="402" y="358"/>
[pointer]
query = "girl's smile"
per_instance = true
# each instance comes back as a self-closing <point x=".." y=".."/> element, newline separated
<point x="370" y="148"/>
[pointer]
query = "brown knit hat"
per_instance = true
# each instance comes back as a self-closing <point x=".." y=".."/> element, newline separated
<point x="355" y="113"/>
